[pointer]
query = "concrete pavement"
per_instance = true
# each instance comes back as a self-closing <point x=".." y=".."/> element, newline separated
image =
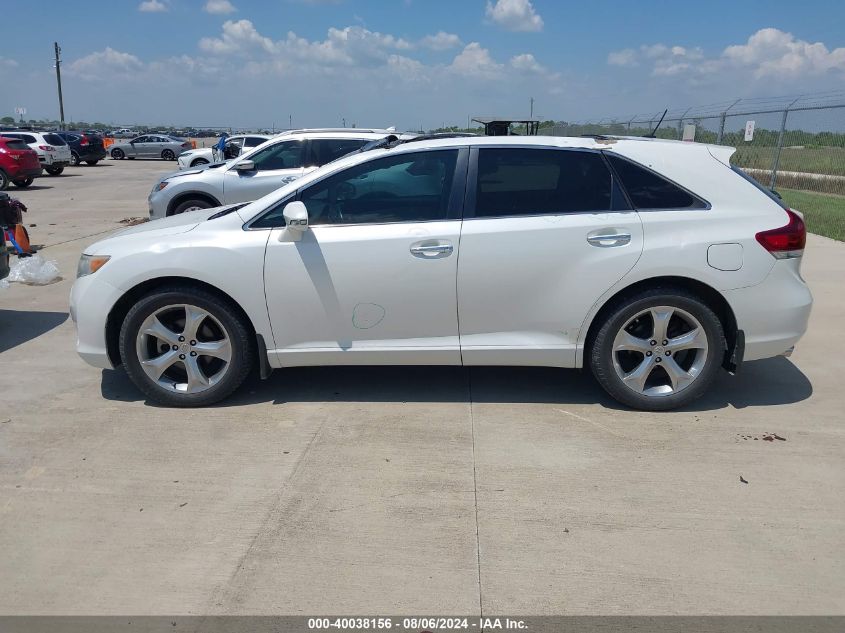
<point x="406" y="490"/>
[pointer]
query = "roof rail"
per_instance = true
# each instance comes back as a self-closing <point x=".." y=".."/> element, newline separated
<point x="350" y="130"/>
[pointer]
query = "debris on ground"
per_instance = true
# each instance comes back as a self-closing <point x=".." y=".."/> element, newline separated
<point x="34" y="271"/>
<point x="742" y="479"/>
<point x="133" y="220"/>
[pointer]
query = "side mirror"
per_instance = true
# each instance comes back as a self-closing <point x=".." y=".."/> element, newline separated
<point x="245" y="165"/>
<point x="296" y="220"/>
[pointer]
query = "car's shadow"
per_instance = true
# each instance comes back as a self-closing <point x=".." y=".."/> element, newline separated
<point x="761" y="383"/>
<point x="19" y="326"/>
<point x="13" y="190"/>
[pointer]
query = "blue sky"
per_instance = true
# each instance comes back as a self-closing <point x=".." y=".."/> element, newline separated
<point x="409" y="63"/>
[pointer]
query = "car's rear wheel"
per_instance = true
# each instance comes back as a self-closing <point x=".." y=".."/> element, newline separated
<point x="198" y="162"/>
<point x="191" y="205"/>
<point x="168" y="155"/>
<point x="74" y="159"/>
<point x="118" y="154"/>
<point x="4" y="180"/>
<point x="92" y="162"/>
<point x="186" y="347"/>
<point x="54" y="171"/>
<point x="23" y="183"/>
<point x="657" y="350"/>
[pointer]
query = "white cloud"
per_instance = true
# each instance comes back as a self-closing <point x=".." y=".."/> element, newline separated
<point x="219" y="7"/>
<point x="238" y="36"/>
<point x="771" y="52"/>
<point x="768" y="53"/>
<point x="152" y="6"/>
<point x="105" y="63"/>
<point x="5" y="62"/>
<point x="514" y="15"/>
<point x="475" y="61"/>
<point x="527" y="63"/>
<point x="441" y="41"/>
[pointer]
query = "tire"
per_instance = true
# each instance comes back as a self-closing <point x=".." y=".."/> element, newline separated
<point x="92" y="162"/>
<point x="192" y="205"/>
<point x="213" y="377"/>
<point x="168" y="155"/>
<point x="54" y="171"/>
<point x="118" y="154"/>
<point x="4" y="180"/>
<point x="74" y="159"/>
<point x="23" y="183"/>
<point x="198" y="162"/>
<point x="657" y="377"/>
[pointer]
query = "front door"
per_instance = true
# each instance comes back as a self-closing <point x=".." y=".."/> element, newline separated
<point x="546" y="232"/>
<point x="275" y="165"/>
<point x="372" y="281"/>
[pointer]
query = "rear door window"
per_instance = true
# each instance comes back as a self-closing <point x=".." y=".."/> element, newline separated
<point x="253" y="141"/>
<point x="528" y="181"/>
<point x="325" y="150"/>
<point x="649" y="190"/>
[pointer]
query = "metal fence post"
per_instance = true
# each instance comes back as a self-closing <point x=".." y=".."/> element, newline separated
<point x="721" y="128"/>
<point x="777" y="150"/>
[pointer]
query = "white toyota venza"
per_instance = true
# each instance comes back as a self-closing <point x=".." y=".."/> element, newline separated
<point x="655" y="263"/>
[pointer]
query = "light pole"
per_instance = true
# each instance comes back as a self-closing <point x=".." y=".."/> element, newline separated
<point x="59" y="84"/>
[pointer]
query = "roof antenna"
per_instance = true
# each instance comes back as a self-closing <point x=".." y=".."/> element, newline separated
<point x="651" y="134"/>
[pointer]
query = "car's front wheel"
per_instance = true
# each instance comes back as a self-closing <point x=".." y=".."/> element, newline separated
<point x="54" y="171"/>
<point x="198" y="162"/>
<point x="191" y="205"/>
<point x="4" y="180"/>
<point x="186" y="347"/>
<point x="657" y="350"/>
<point x="168" y="155"/>
<point x="92" y="162"/>
<point x="118" y="154"/>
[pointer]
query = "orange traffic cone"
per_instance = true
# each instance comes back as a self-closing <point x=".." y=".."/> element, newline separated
<point x="22" y="238"/>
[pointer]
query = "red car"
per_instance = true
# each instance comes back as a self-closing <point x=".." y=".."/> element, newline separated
<point x="18" y="164"/>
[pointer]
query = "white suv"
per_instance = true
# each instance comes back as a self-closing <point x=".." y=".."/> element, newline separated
<point x="53" y="151"/>
<point x="205" y="155"/>
<point x="255" y="173"/>
<point x="652" y="262"/>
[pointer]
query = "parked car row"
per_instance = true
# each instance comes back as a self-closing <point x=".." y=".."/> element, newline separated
<point x="51" y="151"/>
<point x="252" y="172"/>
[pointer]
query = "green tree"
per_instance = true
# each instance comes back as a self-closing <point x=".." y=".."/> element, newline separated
<point x="7" y="120"/>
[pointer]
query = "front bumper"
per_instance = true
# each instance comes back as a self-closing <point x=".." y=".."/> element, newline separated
<point x="91" y="301"/>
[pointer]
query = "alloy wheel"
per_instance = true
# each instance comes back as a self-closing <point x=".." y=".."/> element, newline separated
<point x="660" y="351"/>
<point x="183" y="348"/>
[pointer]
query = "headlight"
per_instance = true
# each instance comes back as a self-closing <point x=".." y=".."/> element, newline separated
<point x="89" y="264"/>
<point x="159" y="186"/>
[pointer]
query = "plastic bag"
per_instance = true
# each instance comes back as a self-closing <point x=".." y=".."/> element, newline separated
<point x="34" y="271"/>
<point x="3" y="284"/>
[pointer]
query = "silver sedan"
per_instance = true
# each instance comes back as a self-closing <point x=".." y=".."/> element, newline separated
<point x="150" y="146"/>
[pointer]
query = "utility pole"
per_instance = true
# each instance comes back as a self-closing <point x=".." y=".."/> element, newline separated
<point x="290" y="121"/>
<point x="59" y="84"/>
<point x="531" y="116"/>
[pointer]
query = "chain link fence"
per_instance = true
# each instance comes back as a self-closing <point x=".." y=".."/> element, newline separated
<point x="793" y="145"/>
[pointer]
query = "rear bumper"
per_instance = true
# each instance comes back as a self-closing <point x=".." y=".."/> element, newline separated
<point x="25" y="172"/>
<point x="774" y="313"/>
<point x="94" y="154"/>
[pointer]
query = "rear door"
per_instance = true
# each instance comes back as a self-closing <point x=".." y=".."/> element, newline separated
<point x="275" y="165"/>
<point x="546" y="232"/>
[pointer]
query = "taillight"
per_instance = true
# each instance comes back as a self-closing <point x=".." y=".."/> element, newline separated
<point x="83" y="141"/>
<point x="47" y="148"/>
<point x="786" y="241"/>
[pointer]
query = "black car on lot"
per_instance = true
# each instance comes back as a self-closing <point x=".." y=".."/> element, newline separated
<point x="84" y="147"/>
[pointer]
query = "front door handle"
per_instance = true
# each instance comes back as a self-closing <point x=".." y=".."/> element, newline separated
<point x="606" y="238"/>
<point x="432" y="249"/>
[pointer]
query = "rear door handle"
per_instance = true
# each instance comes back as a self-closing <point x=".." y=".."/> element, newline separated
<point x="432" y="249"/>
<point x="606" y="238"/>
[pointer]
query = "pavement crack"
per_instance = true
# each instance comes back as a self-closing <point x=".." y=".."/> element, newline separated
<point x="475" y="493"/>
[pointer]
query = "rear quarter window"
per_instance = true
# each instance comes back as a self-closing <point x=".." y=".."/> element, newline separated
<point x="16" y="144"/>
<point x="54" y="139"/>
<point x="649" y="190"/>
